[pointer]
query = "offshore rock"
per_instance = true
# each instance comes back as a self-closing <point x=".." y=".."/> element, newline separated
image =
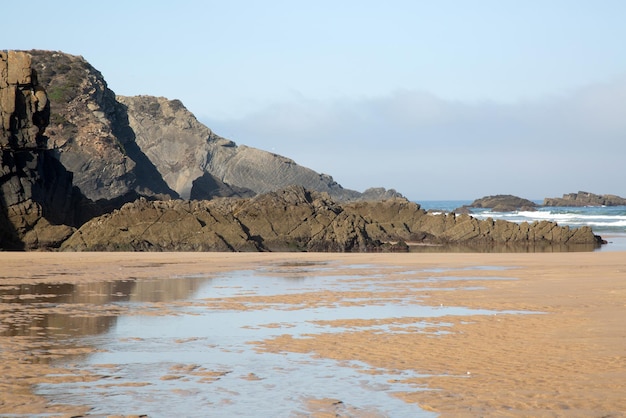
<point x="297" y="219"/>
<point x="585" y="199"/>
<point x="500" y="203"/>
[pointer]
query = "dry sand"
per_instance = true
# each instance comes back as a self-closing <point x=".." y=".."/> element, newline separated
<point x="568" y="361"/>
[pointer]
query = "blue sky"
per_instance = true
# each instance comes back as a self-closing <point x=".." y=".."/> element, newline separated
<point x="437" y="99"/>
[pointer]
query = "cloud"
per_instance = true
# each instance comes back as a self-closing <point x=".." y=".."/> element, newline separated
<point x="431" y="148"/>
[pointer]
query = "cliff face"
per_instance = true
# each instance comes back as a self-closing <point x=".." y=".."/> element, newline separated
<point x="187" y="154"/>
<point x="37" y="199"/>
<point x="89" y="132"/>
<point x="179" y="146"/>
<point x="120" y="148"/>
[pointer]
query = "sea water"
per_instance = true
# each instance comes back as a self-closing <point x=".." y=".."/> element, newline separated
<point x="606" y="221"/>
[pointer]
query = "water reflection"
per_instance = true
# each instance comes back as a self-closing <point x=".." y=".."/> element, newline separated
<point x="179" y="345"/>
<point x="72" y="310"/>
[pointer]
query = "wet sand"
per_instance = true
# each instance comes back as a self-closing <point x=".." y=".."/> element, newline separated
<point x="568" y="360"/>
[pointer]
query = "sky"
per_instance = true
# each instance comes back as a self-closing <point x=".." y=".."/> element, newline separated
<point x="440" y="100"/>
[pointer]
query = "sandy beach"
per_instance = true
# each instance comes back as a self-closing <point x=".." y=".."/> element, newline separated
<point x="565" y="356"/>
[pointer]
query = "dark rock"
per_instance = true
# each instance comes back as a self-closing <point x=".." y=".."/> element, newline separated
<point x="503" y="203"/>
<point x="89" y="132"/>
<point x="297" y="219"/>
<point x="37" y="198"/>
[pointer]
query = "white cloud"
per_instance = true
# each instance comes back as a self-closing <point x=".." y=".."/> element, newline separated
<point x="429" y="148"/>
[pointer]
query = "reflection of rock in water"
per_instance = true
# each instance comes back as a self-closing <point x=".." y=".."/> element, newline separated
<point x="60" y="310"/>
<point x="70" y="310"/>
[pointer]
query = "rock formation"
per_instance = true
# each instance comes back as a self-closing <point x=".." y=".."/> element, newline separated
<point x="37" y="199"/>
<point x="89" y="133"/>
<point x="120" y="148"/>
<point x="585" y="199"/>
<point x="132" y="160"/>
<point x="297" y="219"/>
<point x="187" y="154"/>
<point x="500" y="203"/>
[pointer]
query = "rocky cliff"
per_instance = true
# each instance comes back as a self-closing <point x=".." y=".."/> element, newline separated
<point x="297" y="219"/>
<point x="37" y="199"/>
<point x="585" y="199"/>
<point x="120" y="148"/>
<point x="189" y="156"/>
<point x="76" y="152"/>
<point x="89" y="133"/>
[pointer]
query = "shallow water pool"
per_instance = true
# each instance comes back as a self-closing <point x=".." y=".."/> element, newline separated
<point x="188" y="346"/>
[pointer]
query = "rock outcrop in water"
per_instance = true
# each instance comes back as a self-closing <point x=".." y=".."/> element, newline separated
<point x="297" y="219"/>
<point x="585" y="199"/>
<point x="500" y="203"/>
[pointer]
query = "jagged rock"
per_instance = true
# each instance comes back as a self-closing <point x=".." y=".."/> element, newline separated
<point x="293" y="219"/>
<point x="585" y="199"/>
<point x="297" y="219"/>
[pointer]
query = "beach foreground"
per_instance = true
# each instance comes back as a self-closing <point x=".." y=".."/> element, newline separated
<point x="565" y="356"/>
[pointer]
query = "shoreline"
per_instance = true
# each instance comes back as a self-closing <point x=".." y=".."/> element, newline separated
<point x="569" y="360"/>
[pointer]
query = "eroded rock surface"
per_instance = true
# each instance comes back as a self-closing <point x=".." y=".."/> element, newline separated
<point x="154" y="149"/>
<point x="297" y="219"/>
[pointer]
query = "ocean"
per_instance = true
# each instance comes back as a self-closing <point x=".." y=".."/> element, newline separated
<point x="607" y="221"/>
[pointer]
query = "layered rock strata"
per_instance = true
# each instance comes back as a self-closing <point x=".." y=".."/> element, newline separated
<point x="296" y="219"/>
